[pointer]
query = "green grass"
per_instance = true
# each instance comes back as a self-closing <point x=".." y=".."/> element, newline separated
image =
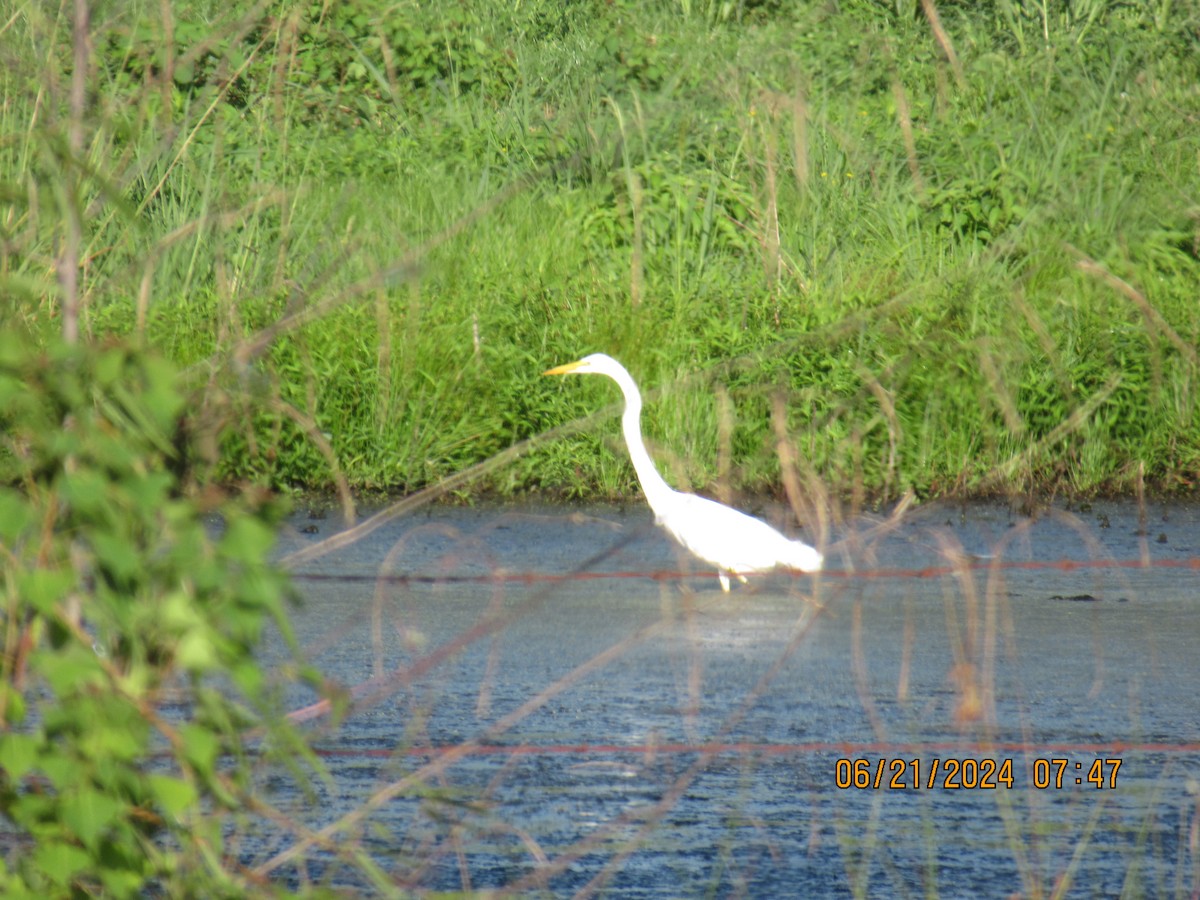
<point x="957" y="285"/>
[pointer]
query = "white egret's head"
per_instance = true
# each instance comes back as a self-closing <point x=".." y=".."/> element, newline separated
<point x="597" y="364"/>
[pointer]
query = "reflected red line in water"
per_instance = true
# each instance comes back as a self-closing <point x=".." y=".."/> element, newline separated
<point x="750" y="748"/>
<point x="938" y="571"/>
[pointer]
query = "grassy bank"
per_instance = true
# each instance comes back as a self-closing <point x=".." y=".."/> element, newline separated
<point x="956" y="257"/>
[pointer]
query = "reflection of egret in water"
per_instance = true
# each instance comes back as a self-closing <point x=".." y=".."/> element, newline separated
<point x="734" y="542"/>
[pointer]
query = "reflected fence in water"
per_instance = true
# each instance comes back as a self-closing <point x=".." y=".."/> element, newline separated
<point x="966" y="700"/>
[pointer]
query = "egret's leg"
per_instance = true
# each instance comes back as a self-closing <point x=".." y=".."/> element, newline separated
<point x="724" y="581"/>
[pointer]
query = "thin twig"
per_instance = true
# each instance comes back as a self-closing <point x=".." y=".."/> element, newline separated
<point x="1153" y="316"/>
<point x="943" y="39"/>
<point x="68" y="261"/>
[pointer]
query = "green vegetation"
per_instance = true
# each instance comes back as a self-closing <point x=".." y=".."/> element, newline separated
<point x="129" y="677"/>
<point x="303" y="245"/>
<point x="963" y="253"/>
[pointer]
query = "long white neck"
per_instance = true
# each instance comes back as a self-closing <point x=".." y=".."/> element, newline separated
<point x="653" y="485"/>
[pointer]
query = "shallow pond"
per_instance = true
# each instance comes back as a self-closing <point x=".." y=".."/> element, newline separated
<point x="559" y="699"/>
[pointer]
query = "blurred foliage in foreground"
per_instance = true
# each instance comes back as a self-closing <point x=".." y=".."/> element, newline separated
<point x="131" y="615"/>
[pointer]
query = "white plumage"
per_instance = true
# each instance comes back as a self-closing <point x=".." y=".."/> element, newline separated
<point x="737" y="544"/>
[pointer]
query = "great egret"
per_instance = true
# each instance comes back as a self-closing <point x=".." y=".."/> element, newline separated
<point x="732" y="541"/>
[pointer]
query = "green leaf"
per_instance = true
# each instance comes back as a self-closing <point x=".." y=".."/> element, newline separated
<point x="109" y="366"/>
<point x="174" y="796"/>
<point x="118" y="556"/>
<point x="15" y="888"/>
<point x="18" y="754"/>
<point x="124" y="883"/>
<point x="86" y="490"/>
<point x="60" y="862"/>
<point x="16" y="515"/>
<point x="69" y="671"/>
<point x="12" y="701"/>
<point x="202" y="748"/>
<point x="88" y="813"/>
<point x="162" y="395"/>
<point x="150" y="491"/>
<point x="14" y="349"/>
<point x="42" y="589"/>
<point x="178" y="612"/>
<point x="249" y="677"/>
<point x="196" y="652"/>
<point x="247" y="539"/>
<point x="61" y="769"/>
<point x="120" y="735"/>
<point x="15" y="398"/>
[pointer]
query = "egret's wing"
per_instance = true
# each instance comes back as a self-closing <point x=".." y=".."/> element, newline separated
<point x="729" y="539"/>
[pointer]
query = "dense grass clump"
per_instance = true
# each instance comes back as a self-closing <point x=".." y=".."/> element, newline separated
<point x="956" y="253"/>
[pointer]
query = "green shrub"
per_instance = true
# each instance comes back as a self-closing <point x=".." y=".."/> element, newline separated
<point x="129" y="625"/>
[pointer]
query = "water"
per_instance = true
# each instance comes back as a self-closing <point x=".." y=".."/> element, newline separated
<point x="651" y="736"/>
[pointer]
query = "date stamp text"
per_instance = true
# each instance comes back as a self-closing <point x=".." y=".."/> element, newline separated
<point x="967" y="773"/>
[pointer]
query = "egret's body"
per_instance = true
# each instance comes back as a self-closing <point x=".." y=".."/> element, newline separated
<point x="732" y="541"/>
